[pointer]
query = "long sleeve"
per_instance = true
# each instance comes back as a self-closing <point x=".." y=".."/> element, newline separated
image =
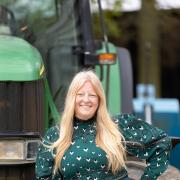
<point x="45" y="158"/>
<point x="146" y="142"/>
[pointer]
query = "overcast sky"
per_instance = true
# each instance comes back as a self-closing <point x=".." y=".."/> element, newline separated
<point x="133" y="5"/>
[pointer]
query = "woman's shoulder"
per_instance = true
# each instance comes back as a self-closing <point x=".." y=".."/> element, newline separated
<point x="132" y="121"/>
<point x="51" y="135"/>
<point x="125" y="119"/>
<point x="134" y="128"/>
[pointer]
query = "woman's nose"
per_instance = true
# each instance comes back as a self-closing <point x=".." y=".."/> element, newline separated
<point x="86" y="97"/>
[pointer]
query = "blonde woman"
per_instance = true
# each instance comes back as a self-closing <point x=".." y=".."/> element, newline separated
<point x="89" y="144"/>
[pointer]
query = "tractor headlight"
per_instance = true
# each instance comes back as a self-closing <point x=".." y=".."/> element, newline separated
<point x="11" y="150"/>
<point x="18" y="150"/>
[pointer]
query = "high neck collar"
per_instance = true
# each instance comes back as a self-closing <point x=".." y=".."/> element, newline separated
<point x="84" y="122"/>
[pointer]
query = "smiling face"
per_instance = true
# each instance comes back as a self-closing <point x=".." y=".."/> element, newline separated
<point x="86" y="102"/>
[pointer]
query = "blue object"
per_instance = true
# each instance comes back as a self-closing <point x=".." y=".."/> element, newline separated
<point x="165" y="115"/>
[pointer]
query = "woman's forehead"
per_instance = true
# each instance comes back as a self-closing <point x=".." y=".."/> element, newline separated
<point x="87" y="85"/>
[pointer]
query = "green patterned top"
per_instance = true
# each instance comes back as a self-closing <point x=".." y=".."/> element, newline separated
<point x="84" y="160"/>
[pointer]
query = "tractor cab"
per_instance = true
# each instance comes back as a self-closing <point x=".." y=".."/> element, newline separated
<point x="71" y="45"/>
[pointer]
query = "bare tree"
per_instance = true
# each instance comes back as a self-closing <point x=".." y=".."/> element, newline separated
<point x="149" y="61"/>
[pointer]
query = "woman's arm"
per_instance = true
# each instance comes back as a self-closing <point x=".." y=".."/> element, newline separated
<point x="147" y="142"/>
<point x="157" y="158"/>
<point x="45" y="156"/>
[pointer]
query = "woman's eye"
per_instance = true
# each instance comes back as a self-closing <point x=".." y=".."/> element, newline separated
<point x="89" y="95"/>
<point x="80" y="94"/>
<point x="92" y="95"/>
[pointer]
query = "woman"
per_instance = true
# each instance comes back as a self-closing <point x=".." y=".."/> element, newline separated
<point x="89" y="144"/>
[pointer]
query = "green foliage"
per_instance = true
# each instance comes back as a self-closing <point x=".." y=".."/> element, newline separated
<point x="42" y="17"/>
<point x="39" y="22"/>
<point x="37" y="14"/>
<point x="117" y="5"/>
<point x="111" y="16"/>
<point x="112" y="27"/>
<point x="7" y="2"/>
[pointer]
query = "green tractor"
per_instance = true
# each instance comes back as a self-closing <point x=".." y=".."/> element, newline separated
<point x="22" y="107"/>
<point x="28" y="106"/>
<point x="33" y="86"/>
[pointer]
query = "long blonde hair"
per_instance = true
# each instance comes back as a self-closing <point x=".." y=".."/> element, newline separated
<point x="108" y="137"/>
